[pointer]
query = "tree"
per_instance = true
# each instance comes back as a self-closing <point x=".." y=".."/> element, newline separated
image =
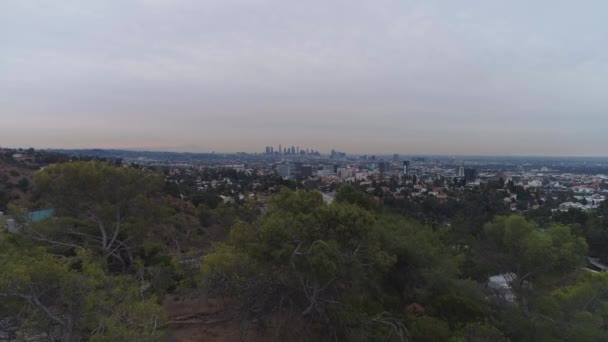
<point x="23" y="184"/>
<point x="309" y="263"/>
<point x="348" y="194"/>
<point x="71" y="299"/>
<point x="514" y="245"/>
<point x="99" y="206"/>
<point x="578" y="312"/>
<point x="480" y="332"/>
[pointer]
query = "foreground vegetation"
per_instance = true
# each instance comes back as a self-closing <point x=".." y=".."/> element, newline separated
<point x="352" y="270"/>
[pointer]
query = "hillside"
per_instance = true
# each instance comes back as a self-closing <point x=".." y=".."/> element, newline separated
<point x="123" y="259"/>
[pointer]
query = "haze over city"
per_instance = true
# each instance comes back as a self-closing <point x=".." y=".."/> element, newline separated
<point x="381" y="76"/>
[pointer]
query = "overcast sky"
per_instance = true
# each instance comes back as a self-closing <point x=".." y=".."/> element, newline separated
<point x="362" y="76"/>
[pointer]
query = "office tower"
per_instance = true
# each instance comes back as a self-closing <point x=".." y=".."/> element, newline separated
<point x="384" y="167"/>
<point x="298" y="167"/>
<point x="406" y="166"/>
<point x="460" y="172"/>
<point x="470" y="175"/>
<point x="306" y="171"/>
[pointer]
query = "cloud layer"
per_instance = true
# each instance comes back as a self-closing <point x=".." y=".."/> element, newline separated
<point x="463" y="77"/>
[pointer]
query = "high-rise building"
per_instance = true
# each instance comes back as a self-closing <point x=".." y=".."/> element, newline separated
<point x="384" y="167"/>
<point x="293" y="150"/>
<point x="280" y="149"/>
<point x="406" y="167"/>
<point x="460" y="172"/>
<point x="298" y="167"/>
<point x="306" y="171"/>
<point x="470" y="175"/>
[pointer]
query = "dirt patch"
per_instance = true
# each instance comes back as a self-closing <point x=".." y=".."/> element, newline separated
<point x="204" y="319"/>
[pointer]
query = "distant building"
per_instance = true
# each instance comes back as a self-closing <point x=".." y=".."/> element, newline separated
<point x="306" y="171"/>
<point x="384" y="167"/>
<point x="470" y="175"/>
<point x="460" y="172"/>
<point x="406" y="166"/>
<point x="324" y="173"/>
<point x="361" y="175"/>
<point x="283" y="170"/>
<point x="344" y="173"/>
<point x="298" y="167"/>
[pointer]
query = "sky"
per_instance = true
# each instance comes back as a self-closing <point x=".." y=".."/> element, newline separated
<point x="366" y="76"/>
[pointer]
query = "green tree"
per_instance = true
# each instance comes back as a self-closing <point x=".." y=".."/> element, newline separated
<point x="348" y="194"/>
<point x="307" y="262"/>
<point x="514" y="245"/>
<point x="578" y="312"/>
<point x="23" y="184"/>
<point x="71" y="299"/>
<point x="99" y="206"/>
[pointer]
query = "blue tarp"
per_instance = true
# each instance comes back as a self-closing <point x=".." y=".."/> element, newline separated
<point x="40" y="215"/>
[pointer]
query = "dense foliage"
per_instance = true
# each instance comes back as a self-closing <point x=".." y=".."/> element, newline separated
<point x="295" y="267"/>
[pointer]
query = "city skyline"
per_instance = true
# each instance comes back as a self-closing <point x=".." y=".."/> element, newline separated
<point x="372" y="77"/>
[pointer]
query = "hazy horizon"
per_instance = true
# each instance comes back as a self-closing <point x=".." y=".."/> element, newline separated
<point x="383" y="76"/>
<point x="196" y="150"/>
